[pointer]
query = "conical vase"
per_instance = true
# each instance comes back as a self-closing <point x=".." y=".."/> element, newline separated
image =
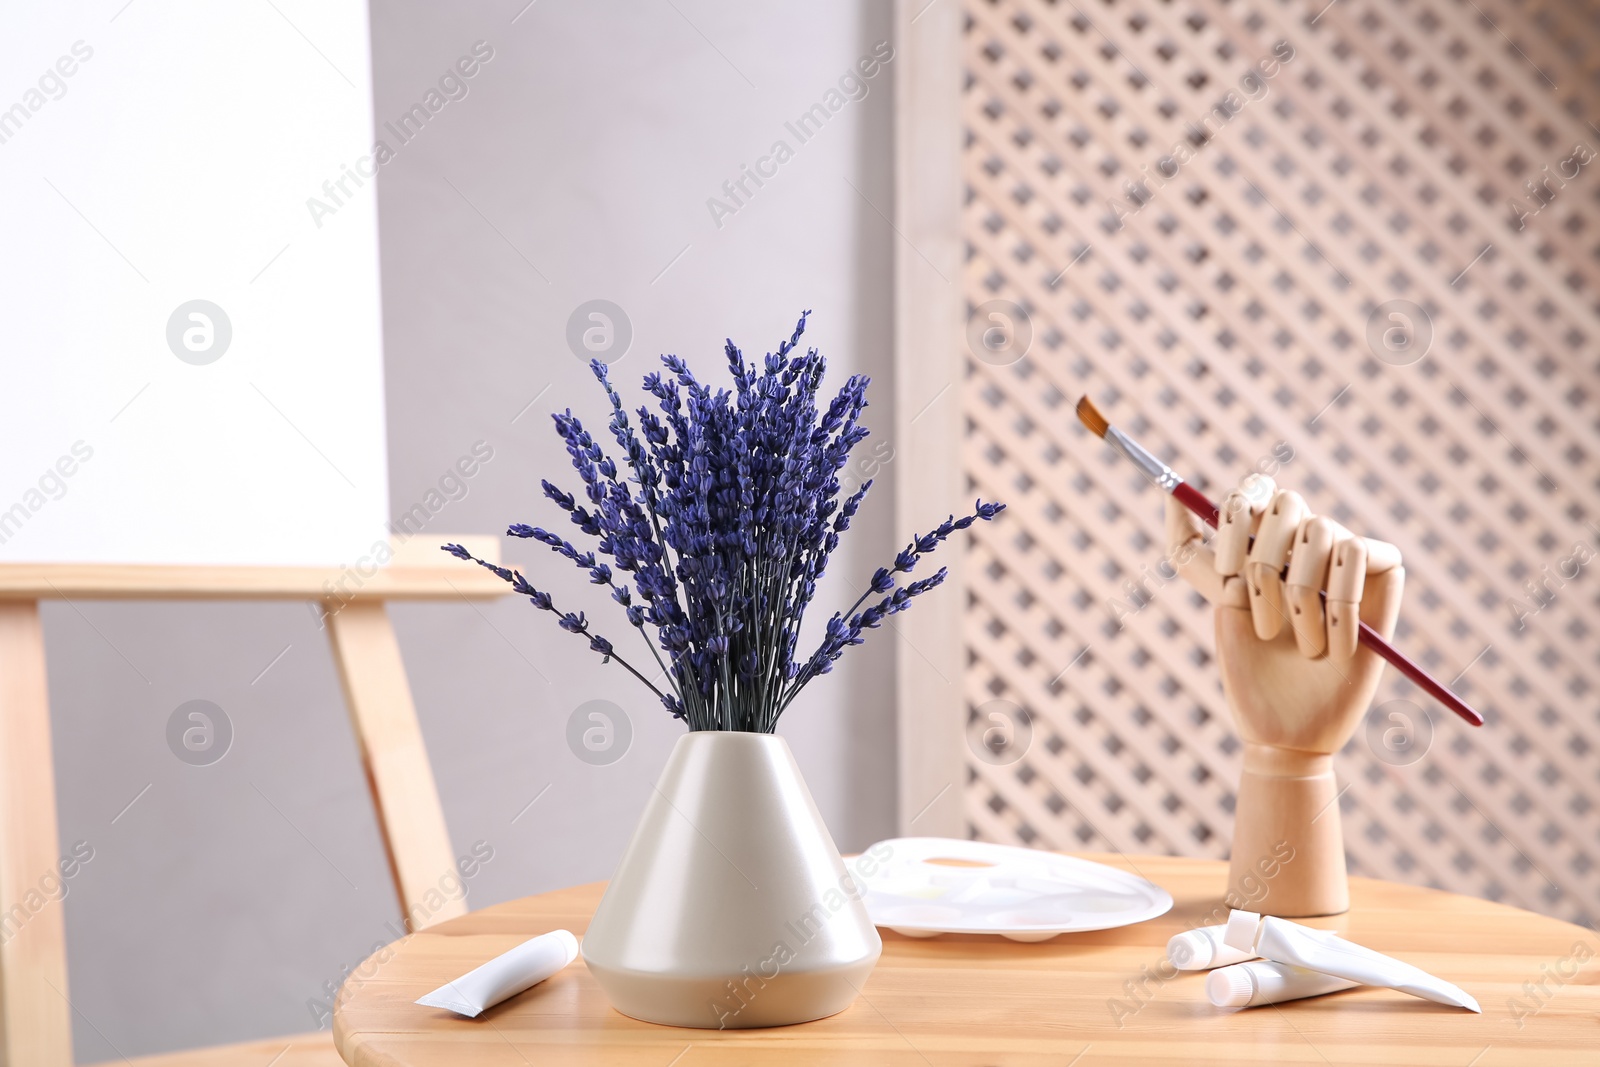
<point x="731" y="907"/>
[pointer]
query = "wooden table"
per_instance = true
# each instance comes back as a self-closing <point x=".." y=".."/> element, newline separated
<point x="1099" y="997"/>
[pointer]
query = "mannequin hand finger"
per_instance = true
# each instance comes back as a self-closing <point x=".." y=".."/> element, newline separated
<point x="1308" y="575"/>
<point x="1347" y="578"/>
<point x="1188" y="552"/>
<point x="1274" y="540"/>
<point x="1381" y="556"/>
<point x="1182" y="525"/>
<point x="1238" y="518"/>
<point x="1260" y="489"/>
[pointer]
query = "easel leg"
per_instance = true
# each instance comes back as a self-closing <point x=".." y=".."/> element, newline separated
<point x="35" y="1017"/>
<point x="403" y="790"/>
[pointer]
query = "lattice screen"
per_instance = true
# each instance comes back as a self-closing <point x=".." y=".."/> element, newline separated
<point x="1230" y="313"/>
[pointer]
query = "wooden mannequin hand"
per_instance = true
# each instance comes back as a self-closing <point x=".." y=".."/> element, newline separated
<point x="1291" y="669"/>
<point x="1295" y="678"/>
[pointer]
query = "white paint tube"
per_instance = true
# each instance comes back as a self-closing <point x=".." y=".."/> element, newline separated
<point x="1249" y="985"/>
<point x="1282" y="941"/>
<point x="1202" y="948"/>
<point x="506" y="975"/>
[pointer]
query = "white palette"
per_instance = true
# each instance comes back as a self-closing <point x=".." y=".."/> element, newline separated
<point x="938" y="885"/>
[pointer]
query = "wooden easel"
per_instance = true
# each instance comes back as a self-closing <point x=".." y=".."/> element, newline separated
<point x="35" y="1017"/>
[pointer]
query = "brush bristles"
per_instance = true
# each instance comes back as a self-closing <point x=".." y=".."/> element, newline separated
<point x="1090" y="416"/>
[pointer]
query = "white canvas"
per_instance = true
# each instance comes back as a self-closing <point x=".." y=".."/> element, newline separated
<point x="174" y="164"/>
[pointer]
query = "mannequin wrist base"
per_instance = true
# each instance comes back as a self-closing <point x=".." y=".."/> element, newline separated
<point x="1288" y="840"/>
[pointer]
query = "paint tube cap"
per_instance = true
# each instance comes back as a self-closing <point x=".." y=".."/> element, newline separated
<point x="1230" y="987"/>
<point x="568" y="943"/>
<point x="1191" y="950"/>
<point x="1241" y="931"/>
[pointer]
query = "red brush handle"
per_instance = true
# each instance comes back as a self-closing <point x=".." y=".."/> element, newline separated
<point x="1196" y="502"/>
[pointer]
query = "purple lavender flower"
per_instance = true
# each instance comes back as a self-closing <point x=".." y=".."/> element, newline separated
<point x="718" y="521"/>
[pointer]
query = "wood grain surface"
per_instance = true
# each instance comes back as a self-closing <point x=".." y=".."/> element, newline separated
<point x="1080" y="999"/>
<point x="35" y="1020"/>
<point x="416" y="570"/>
<point x="405" y="797"/>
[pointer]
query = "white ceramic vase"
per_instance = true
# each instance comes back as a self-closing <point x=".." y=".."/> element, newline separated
<point x="731" y="907"/>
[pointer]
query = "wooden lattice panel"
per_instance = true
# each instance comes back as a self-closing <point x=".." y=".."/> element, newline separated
<point x="1221" y="316"/>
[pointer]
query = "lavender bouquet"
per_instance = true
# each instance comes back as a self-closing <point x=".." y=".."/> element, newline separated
<point x="721" y="530"/>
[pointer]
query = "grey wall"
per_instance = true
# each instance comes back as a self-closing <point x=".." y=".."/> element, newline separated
<point x="577" y="167"/>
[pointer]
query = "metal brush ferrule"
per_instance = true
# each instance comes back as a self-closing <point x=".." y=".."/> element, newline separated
<point x="1151" y="467"/>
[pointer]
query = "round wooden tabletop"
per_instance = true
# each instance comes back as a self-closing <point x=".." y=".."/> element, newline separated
<point x="1079" y="999"/>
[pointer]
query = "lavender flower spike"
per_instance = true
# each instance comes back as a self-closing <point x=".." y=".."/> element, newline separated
<point x="716" y="521"/>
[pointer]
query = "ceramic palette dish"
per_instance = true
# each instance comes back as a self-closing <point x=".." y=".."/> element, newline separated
<point x="938" y="885"/>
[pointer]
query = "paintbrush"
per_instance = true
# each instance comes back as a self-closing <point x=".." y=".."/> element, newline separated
<point x="1191" y="498"/>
